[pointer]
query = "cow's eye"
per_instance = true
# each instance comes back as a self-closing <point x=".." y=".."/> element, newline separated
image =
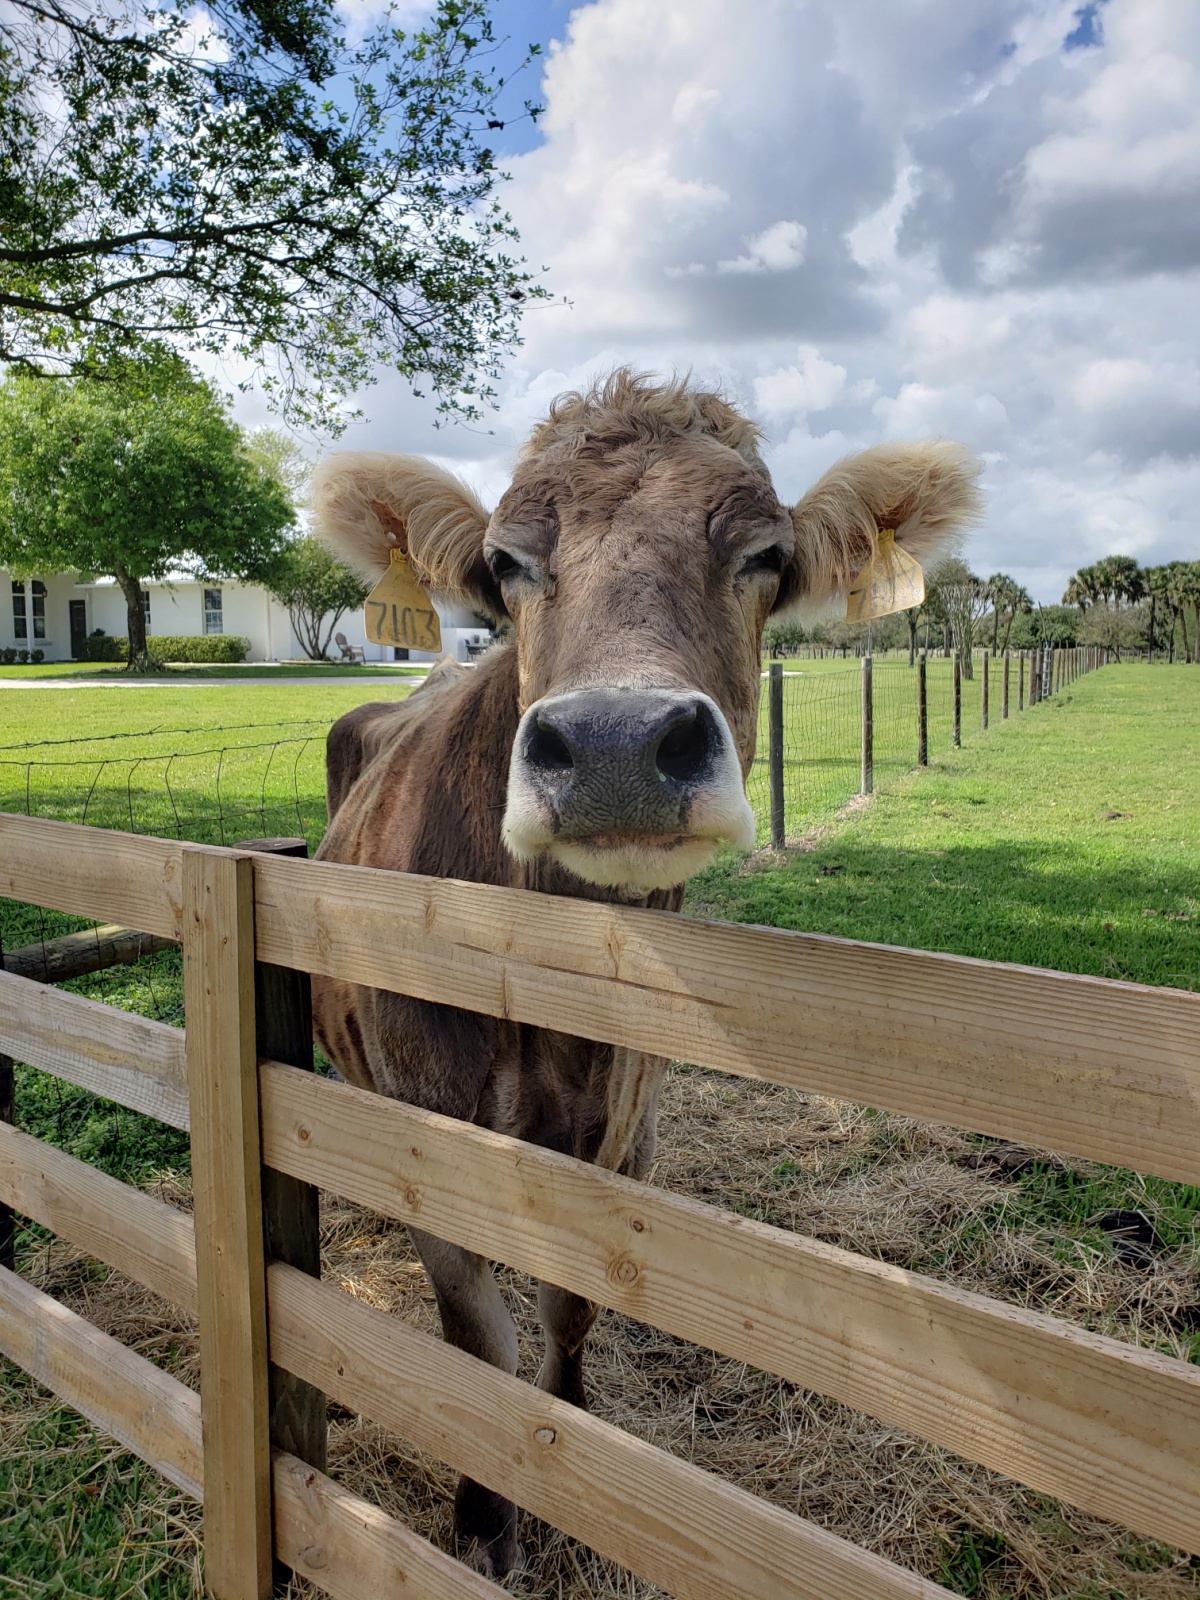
<point x="502" y="566"/>
<point x="769" y="560"/>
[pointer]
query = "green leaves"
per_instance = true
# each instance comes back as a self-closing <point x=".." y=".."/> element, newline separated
<point x="261" y="191"/>
<point x="147" y="480"/>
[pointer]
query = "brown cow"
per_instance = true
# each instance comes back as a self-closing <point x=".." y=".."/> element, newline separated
<point x="600" y="753"/>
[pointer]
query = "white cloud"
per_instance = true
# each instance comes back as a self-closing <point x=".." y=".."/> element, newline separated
<point x="778" y="248"/>
<point x="1000" y="243"/>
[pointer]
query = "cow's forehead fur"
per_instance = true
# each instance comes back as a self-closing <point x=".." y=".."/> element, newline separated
<point x="627" y="409"/>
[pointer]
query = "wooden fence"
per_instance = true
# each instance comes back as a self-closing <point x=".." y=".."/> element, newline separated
<point x="1099" y="1069"/>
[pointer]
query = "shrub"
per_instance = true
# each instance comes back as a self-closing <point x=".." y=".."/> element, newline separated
<point x="211" y="648"/>
<point x="37" y="657"/>
<point x="221" y="648"/>
<point x="103" y="646"/>
<point x="8" y="655"/>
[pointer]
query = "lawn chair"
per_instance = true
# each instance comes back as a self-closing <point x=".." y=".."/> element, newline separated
<point x="350" y="652"/>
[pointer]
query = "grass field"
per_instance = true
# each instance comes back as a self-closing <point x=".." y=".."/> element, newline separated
<point x="1068" y="837"/>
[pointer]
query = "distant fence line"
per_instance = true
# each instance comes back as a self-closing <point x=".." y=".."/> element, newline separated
<point x="825" y="736"/>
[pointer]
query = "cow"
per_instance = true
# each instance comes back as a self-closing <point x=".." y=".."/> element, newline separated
<point x="599" y="750"/>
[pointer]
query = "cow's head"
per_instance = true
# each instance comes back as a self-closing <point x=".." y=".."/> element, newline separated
<point x="638" y="553"/>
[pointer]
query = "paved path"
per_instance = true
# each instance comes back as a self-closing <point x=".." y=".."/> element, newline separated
<point x="191" y="683"/>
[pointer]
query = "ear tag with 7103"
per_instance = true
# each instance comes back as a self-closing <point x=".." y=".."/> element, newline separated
<point x="398" y="611"/>
<point x="891" y="581"/>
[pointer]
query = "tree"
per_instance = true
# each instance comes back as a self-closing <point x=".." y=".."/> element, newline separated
<point x="959" y="598"/>
<point x="277" y="454"/>
<point x="262" y="191"/>
<point x="1008" y="600"/>
<point x="133" y="482"/>
<point x="317" y="589"/>
<point x="1182" y="591"/>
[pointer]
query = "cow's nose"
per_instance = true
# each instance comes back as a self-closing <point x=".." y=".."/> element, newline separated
<point x="670" y="737"/>
<point x="605" y="760"/>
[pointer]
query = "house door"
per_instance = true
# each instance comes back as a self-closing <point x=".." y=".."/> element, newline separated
<point x="78" y="630"/>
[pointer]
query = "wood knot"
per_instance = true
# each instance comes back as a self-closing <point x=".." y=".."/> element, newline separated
<point x="303" y="1134"/>
<point x="415" y="1152"/>
<point x="412" y="1197"/>
<point x="637" y="1224"/>
<point x="545" y="1435"/>
<point x="315" y="1556"/>
<point x="624" y="1270"/>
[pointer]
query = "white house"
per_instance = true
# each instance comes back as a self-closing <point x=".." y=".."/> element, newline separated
<point x="55" y="614"/>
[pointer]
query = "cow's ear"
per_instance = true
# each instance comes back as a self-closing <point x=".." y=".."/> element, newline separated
<point x="928" y="493"/>
<point x="367" y="504"/>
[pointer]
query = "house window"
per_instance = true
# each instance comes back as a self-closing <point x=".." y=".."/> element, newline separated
<point x="214" y="617"/>
<point x="20" y="620"/>
<point x="39" y="609"/>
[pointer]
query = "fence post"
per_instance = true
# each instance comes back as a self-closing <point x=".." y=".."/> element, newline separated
<point x="1047" y="673"/>
<point x="8" y="1113"/>
<point x="922" y="715"/>
<point x="291" y="1208"/>
<point x="217" y="934"/>
<point x="957" y="730"/>
<point x="1020" y="680"/>
<point x="868" y="727"/>
<point x="984" y="695"/>
<point x="1004" y="695"/>
<point x="775" y="753"/>
<point x="1035" y="674"/>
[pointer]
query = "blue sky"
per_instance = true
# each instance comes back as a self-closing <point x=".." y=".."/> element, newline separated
<point x="873" y="219"/>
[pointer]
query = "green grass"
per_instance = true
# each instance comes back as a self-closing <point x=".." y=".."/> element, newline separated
<point x="1008" y="848"/>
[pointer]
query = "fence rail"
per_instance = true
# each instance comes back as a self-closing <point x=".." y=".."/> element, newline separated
<point x="1103" y="1069"/>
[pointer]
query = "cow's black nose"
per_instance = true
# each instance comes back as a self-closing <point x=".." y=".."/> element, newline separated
<point x="620" y="759"/>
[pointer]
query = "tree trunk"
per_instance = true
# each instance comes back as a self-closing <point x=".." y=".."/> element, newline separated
<point x="1153" y="599"/>
<point x="135" y="614"/>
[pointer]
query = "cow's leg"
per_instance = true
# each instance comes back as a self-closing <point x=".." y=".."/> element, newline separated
<point x="567" y="1319"/>
<point x="475" y="1319"/>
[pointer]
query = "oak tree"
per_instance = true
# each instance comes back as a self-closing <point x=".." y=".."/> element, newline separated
<point x="131" y="481"/>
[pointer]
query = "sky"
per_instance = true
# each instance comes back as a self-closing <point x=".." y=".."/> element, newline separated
<point x="867" y="220"/>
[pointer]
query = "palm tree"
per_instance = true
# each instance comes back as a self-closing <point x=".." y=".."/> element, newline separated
<point x="1156" y="582"/>
<point x="1084" y="588"/>
<point x="1009" y="599"/>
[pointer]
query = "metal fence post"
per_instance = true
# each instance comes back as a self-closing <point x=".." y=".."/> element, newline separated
<point x="1047" y="672"/>
<point x="922" y="714"/>
<point x="957" y="727"/>
<point x="868" y="728"/>
<point x="1035" y="675"/>
<point x="1004" y="695"/>
<point x="984" y="693"/>
<point x="1020" y="680"/>
<point x="775" y="753"/>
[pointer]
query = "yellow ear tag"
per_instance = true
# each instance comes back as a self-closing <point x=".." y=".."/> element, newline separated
<point x="398" y="611"/>
<point x="890" y="581"/>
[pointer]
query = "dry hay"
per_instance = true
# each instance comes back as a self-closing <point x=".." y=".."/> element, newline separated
<point x="905" y="1191"/>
